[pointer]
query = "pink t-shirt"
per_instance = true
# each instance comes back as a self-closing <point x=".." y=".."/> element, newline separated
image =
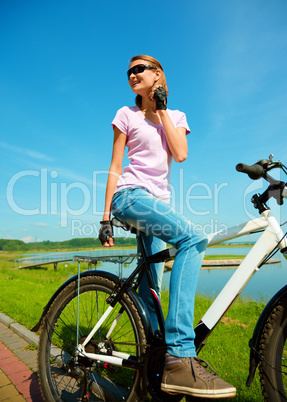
<point x="148" y="151"/>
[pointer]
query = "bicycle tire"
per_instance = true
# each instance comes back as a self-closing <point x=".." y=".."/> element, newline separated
<point x="273" y="352"/>
<point x="57" y="345"/>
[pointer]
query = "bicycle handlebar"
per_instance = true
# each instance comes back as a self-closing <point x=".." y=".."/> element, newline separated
<point x="277" y="189"/>
<point x="255" y="171"/>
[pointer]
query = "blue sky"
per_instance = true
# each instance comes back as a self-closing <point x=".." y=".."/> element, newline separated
<point x="63" y="77"/>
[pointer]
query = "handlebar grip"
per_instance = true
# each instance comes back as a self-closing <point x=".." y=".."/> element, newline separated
<point x="255" y="171"/>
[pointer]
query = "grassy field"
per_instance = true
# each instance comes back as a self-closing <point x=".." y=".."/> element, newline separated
<point x="223" y="257"/>
<point x="24" y="293"/>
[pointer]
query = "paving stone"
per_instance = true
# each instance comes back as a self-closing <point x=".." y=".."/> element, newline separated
<point x="14" y="367"/>
<point x="18" y="365"/>
<point x="27" y="356"/>
<point x="18" y="398"/>
<point x="8" y="360"/>
<point x="29" y="389"/>
<point x="23" y="376"/>
<point x="18" y="345"/>
<point x="4" y="380"/>
<point x="25" y="333"/>
<point x="9" y="340"/>
<point x="2" y="346"/>
<point x="9" y="392"/>
<point x="7" y="321"/>
<point x="33" y="366"/>
<point x="4" y="331"/>
<point x="5" y="354"/>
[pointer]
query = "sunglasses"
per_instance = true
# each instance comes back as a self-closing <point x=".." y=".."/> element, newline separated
<point x="139" y="68"/>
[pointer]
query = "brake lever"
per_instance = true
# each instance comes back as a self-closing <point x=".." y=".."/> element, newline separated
<point x="271" y="164"/>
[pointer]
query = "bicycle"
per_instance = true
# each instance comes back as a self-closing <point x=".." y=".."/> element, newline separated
<point x="96" y="339"/>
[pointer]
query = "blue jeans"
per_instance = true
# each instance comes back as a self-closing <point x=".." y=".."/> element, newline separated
<point x="139" y="208"/>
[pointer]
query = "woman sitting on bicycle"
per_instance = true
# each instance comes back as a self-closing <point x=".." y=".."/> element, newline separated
<point x="140" y="196"/>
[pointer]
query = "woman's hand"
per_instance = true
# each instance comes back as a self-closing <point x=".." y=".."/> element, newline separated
<point x="159" y="94"/>
<point x="106" y="234"/>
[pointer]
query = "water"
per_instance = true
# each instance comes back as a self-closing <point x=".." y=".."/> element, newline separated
<point x="264" y="284"/>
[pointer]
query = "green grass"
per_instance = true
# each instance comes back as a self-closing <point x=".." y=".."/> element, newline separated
<point x="24" y="293"/>
<point x="223" y="257"/>
<point x="31" y="346"/>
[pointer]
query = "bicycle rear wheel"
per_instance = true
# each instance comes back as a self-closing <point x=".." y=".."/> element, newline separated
<point x="64" y="376"/>
<point x="273" y="350"/>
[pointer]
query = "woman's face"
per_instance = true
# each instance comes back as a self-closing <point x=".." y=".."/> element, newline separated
<point x="141" y="83"/>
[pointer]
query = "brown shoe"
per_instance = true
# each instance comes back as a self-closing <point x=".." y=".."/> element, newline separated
<point x="191" y="377"/>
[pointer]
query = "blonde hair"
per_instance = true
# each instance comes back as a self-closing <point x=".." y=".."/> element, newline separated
<point x="155" y="63"/>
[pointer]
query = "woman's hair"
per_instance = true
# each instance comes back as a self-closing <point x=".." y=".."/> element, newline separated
<point x="155" y="63"/>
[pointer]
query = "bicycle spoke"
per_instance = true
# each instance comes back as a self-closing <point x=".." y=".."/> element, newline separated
<point x="70" y="374"/>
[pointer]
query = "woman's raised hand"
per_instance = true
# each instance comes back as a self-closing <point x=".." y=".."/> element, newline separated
<point x="159" y="94"/>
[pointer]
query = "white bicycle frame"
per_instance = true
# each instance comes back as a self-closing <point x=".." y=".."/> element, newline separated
<point x="270" y="238"/>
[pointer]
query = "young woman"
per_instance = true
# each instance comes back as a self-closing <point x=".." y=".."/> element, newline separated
<point x="140" y="196"/>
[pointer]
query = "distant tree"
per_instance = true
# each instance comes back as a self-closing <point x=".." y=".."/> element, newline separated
<point x="76" y="243"/>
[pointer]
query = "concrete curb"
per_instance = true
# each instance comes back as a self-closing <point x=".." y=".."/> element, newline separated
<point x="19" y="329"/>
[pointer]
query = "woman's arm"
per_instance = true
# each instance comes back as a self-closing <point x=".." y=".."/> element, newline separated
<point x="176" y="137"/>
<point x="114" y="173"/>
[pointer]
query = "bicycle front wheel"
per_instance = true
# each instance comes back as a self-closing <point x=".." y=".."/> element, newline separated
<point x="63" y="374"/>
<point x="273" y="350"/>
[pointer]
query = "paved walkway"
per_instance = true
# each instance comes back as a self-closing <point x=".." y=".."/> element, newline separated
<point x="18" y="363"/>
